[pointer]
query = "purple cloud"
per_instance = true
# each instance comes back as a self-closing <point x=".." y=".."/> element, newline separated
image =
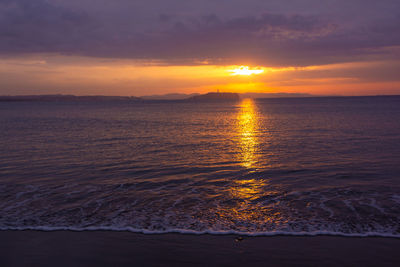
<point x="185" y="36"/>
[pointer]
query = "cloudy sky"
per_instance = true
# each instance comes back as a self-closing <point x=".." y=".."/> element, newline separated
<point x="142" y="47"/>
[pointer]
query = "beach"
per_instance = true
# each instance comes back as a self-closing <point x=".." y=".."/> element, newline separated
<point x="111" y="248"/>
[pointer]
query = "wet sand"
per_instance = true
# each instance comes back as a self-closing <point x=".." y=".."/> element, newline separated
<point x="107" y="248"/>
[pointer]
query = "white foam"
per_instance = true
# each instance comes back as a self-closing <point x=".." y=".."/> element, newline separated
<point x="374" y="204"/>
<point x="193" y="232"/>
<point x="396" y="198"/>
<point x="325" y="208"/>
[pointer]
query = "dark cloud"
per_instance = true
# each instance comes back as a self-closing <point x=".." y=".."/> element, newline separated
<point x="37" y="26"/>
<point x="184" y="37"/>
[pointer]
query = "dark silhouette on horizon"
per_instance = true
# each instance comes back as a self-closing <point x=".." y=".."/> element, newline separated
<point x="216" y="97"/>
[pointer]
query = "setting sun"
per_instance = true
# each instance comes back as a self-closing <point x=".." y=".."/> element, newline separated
<point x="245" y="70"/>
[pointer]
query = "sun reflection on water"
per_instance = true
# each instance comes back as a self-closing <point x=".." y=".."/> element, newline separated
<point x="245" y="205"/>
<point x="247" y="189"/>
<point x="247" y="127"/>
<point x="248" y="203"/>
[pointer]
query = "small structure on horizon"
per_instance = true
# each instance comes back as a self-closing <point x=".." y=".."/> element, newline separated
<point x="216" y="97"/>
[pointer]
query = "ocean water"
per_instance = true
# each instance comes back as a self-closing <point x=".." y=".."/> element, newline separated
<point x="301" y="166"/>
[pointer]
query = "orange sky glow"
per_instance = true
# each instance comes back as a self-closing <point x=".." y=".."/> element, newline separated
<point x="138" y="48"/>
<point x="54" y="74"/>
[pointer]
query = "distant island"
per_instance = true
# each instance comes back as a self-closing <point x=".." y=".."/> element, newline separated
<point x="211" y="95"/>
<point x="172" y="96"/>
<point x="215" y="97"/>
<point x="275" y="95"/>
<point x="195" y="97"/>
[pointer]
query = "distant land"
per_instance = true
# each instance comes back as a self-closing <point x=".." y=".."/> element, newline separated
<point x="275" y="95"/>
<point x="212" y="96"/>
<point x="173" y="96"/>
<point x="98" y="98"/>
<point x="176" y="96"/>
<point x="57" y="98"/>
<point x="215" y="97"/>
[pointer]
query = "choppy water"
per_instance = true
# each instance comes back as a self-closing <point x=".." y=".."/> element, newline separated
<point x="294" y="166"/>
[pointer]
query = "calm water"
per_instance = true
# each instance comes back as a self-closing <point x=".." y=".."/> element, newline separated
<point x="296" y="166"/>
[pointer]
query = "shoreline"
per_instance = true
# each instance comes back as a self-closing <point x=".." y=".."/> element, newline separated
<point x="123" y="248"/>
<point x="207" y="232"/>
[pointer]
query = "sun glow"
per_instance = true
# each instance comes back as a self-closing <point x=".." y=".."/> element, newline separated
<point x="245" y="70"/>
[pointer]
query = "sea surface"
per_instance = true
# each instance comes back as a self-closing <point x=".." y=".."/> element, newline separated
<point x="299" y="166"/>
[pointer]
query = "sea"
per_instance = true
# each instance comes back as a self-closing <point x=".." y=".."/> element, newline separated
<point x="287" y="166"/>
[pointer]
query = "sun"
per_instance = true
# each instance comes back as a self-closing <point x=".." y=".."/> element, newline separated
<point x="245" y="70"/>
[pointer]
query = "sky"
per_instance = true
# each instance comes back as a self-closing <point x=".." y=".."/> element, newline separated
<point x="145" y="47"/>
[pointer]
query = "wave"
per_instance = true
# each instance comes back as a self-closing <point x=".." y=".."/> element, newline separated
<point x="193" y="232"/>
<point x="236" y="210"/>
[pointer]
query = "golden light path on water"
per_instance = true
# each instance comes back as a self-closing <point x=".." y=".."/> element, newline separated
<point x="243" y="208"/>
<point x="247" y="127"/>
<point x="244" y="193"/>
<point x="247" y="124"/>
